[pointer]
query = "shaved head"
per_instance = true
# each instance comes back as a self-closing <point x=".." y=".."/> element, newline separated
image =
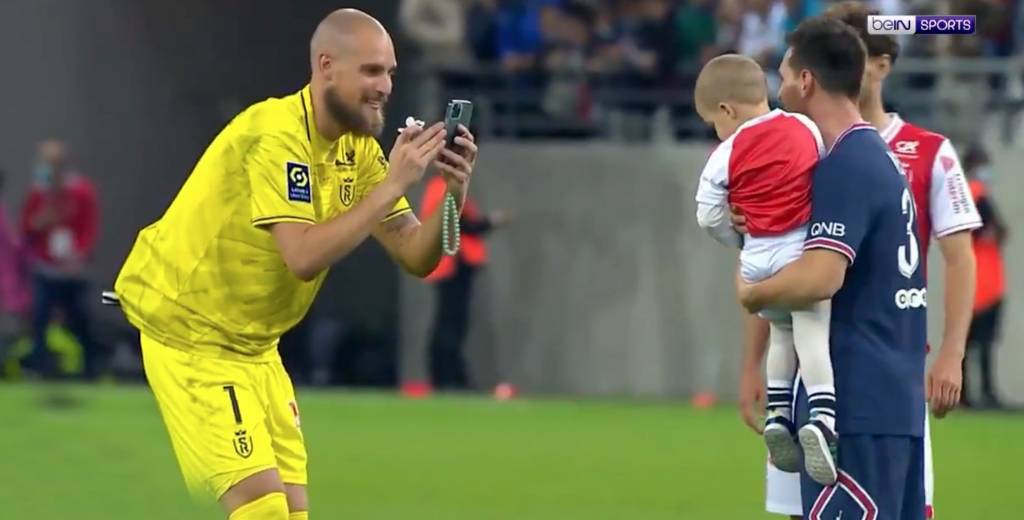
<point x="339" y="30"/>
<point x="352" y="60"/>
<point x="730" y="78"/>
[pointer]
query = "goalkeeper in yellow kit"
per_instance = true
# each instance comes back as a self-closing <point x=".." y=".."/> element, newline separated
<point x="289" y="187"/>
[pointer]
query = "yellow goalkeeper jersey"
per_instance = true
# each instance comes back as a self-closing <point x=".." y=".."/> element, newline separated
<point x="208" y="277"/>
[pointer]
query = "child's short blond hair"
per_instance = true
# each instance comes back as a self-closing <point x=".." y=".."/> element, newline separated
<point x="730" y="78"/>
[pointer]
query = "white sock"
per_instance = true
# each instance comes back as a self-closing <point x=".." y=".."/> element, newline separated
<point x="811" y="337"/>
<point x="781" y="369"/>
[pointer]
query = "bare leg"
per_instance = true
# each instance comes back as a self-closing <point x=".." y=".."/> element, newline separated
<point x="297" y="498"/>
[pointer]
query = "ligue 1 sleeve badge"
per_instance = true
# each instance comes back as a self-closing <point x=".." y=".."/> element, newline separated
<point x="299" y="189"/>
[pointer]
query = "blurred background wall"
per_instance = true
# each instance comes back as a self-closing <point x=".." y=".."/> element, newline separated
<point x="626" y="295"/>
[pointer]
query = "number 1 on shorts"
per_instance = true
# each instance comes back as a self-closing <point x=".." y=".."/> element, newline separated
<point x="230" y="389"/>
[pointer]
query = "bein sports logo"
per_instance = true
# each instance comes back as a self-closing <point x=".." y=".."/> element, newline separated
<point x="911" y="298"/>
<point x="922" y="24"/>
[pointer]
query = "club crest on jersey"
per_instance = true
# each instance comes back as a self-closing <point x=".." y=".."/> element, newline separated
<point x="906" y="147"/>
<point x="947" y="163"/>
<point x="243" y="443"/>
<point x="348" y="191"/>
<point x="299" y="182"/>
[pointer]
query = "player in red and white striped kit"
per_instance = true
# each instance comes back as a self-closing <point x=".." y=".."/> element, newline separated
<point x="946" y="212"/>
<point x="763" y="167"/>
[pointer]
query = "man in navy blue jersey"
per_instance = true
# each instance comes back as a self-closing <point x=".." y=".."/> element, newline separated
<point x="862" y="252"/>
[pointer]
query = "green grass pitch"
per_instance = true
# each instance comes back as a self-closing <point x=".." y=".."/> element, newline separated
<point x="378" y="456"/>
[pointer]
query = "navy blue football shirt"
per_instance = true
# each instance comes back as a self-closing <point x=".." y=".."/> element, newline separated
<point x="862" y="208"/>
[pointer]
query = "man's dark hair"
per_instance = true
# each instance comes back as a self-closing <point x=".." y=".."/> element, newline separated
<point x="833" y="53"/>
<point x="855" y="14"/>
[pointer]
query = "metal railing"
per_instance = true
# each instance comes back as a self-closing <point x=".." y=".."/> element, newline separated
<point x="615" y="107"/>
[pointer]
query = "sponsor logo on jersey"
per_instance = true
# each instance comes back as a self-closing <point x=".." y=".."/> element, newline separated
<point x="299" y="184"/>
<point x="957" y="188"/>
<point x="349" y="162"/>
<point x="835" y="229"/>
<point x="906" y="147"/>
<point x="911" y="299"/>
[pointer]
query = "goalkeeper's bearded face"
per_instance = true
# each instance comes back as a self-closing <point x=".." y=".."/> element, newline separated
<point x="360" y="82"/>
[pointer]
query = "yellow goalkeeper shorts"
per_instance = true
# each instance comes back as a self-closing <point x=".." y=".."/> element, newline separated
<point x="227" y="419"/>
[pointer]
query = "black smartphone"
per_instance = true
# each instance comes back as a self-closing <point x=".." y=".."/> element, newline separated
<point x="459" y="112"/>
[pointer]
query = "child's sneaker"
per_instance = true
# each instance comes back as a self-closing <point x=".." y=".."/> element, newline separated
<point x="782" y="446"/>
<point x="819" y="447"/>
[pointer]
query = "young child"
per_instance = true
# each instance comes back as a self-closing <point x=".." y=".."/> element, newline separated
<point x="763" y="167"/>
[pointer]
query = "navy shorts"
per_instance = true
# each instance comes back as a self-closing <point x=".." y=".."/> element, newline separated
<point x="881" y="477"/>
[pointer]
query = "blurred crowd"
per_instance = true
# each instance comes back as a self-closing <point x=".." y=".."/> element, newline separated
<point x="557" y="55"/>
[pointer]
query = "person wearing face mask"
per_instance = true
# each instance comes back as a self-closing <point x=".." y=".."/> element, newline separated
<point x="59" y="222"/>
